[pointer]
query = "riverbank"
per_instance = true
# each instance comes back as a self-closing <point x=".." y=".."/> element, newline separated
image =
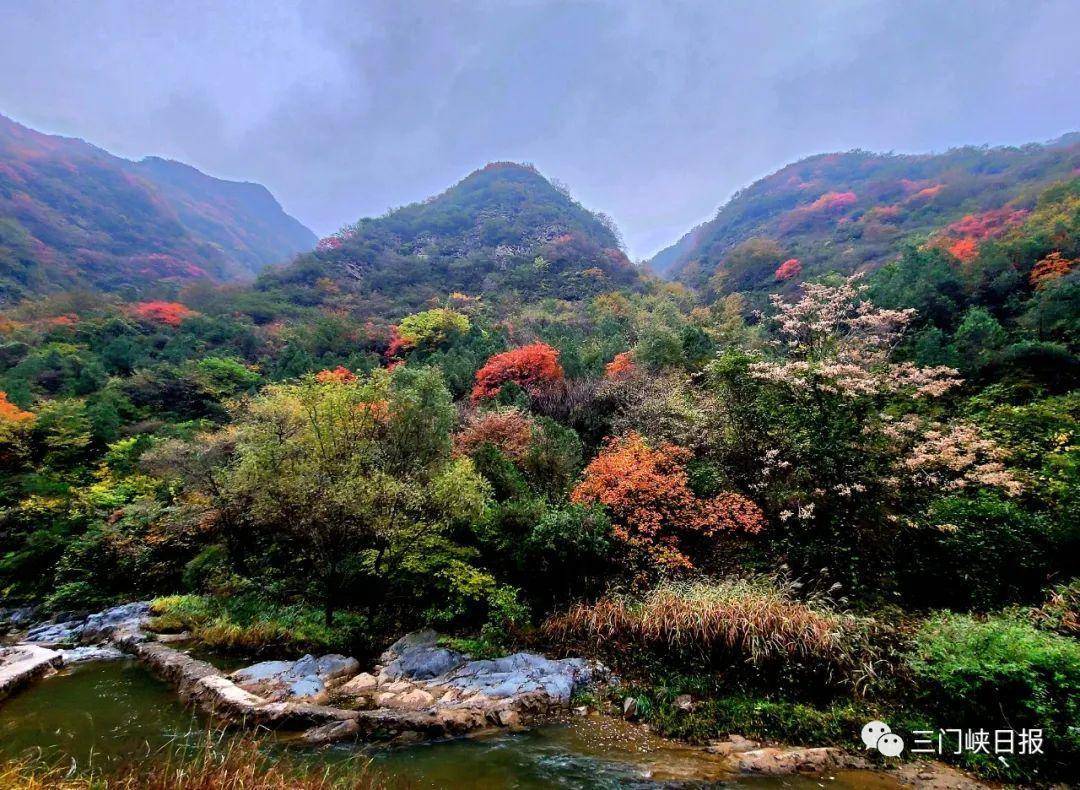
<point x="102" y="715"/>
<point x="395" y="704"/>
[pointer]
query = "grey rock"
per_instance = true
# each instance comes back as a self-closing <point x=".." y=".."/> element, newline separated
<point x="83" y="653"/>
<point x="307" y="677"/>
<point x="101" y="626"/>
<point x="332" y="732"/>
<point x="17" y="617"/>
<point x="520" y="674"/>
<point x="264" y="670"/>
<point x="425" y="638"/>
<point x="52" y="634"/>
<point x="422" y="663"/>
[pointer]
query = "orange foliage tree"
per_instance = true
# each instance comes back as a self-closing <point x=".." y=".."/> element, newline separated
<point x="11" y="414"/>
<point x="509" y="431"/>
<point x="535" y="368"/>
<point x="620" y="368"/>
<point x="1052" y="267"/>
<point x="647" y="492"/>
<point x="340" y="375"/>
<point x="171" y="313"/>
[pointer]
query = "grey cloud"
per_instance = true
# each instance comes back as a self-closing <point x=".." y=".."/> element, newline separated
<point x="654" y="112"/>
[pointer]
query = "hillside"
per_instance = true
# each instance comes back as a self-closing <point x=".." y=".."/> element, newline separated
<point x="75" y="216"/>
<point x="503" y="231"/>
<point x="856" y="210"/>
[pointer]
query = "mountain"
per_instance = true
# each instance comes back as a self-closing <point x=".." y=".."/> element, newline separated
<point x="857" y="210"/>
<point x="504" y="231"/>
<point x="74" y="216"/>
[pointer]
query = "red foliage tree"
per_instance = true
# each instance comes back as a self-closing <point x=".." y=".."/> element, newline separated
<point x="832" y="201"/>
<point x="647" y="492"/>
<point x="535" y="368"/>
<point x="788" y="270"/>
<point x="964" y="249"/>
<point x="961" y="238"/>
<point x="170" y="313"/>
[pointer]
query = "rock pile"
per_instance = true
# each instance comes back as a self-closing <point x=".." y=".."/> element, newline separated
<point x="418" y="675"/>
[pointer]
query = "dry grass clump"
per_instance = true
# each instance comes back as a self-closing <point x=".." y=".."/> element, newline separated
<point x="720" y="624"/>
<point x="239" y="764"/>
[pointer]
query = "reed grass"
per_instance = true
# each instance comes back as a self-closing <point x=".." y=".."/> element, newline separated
<point x="754" y="622"/>
<point x="217" y="763"/>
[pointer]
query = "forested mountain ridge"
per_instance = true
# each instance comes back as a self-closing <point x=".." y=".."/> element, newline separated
<point x="74" y="216"/>
<point x="503" y="230"/>
<point x="856" y="210"/>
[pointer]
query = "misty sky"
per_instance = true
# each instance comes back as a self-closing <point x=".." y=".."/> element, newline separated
<point x="652" y="112"/>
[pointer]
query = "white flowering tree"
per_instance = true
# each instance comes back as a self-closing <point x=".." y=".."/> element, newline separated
<point x="841" y="440"/>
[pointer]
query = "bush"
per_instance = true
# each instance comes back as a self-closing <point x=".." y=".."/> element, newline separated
<point x="1003" y="673"/>
<point x="983" y="551"/>
<point x="1061" y="611"/>
<point x="249" y="625"/>
<point x="716" y="712"/>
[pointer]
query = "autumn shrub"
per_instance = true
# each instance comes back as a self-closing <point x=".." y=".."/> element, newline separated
<point x="752" y="629"/>
<point x="508" y="430"/>
<point x="1001" y="672"/>
<point x="1061" y="610"/>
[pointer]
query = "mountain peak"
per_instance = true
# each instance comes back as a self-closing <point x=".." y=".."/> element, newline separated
<point x="503" y="230"/>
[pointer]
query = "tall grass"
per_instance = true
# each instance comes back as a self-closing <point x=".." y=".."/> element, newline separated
<point x="732" y="624"/>
<point x="216" y="764"/>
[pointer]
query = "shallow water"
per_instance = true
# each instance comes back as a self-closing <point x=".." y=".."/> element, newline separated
<point x="99" y="712"/>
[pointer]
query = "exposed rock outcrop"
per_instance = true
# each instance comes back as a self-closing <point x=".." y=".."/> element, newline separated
<point x="405" y="701"/>
<point x="781" y="760"/>
<point x="124" y="620"/>
<point x="24" y="664"/>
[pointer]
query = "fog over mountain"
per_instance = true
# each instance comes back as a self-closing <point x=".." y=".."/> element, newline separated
<point x="653" y="113"/>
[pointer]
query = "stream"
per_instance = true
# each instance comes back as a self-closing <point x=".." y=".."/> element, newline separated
<point x="101" y="711"/>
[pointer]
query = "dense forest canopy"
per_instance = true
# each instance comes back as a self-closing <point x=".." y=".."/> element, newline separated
<point x="832" y="471"/>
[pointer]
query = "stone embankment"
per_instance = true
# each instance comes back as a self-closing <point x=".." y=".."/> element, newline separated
<point x="420" y="691"/>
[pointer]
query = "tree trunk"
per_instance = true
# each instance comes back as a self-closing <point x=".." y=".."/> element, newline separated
<point x="331" y="597"/>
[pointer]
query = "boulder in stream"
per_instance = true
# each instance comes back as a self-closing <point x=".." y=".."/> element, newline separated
<point x="306" y="678"/>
